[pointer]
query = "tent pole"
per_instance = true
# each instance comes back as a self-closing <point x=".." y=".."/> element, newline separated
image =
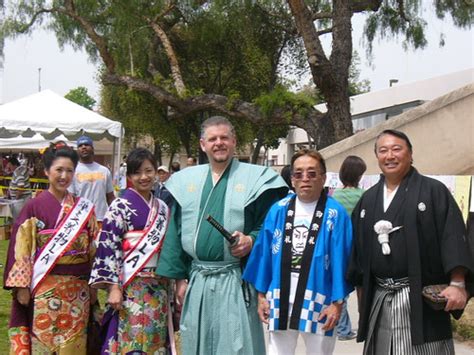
<point x="118" y="154"/>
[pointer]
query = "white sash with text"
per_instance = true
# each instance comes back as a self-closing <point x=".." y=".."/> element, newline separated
<point x="65" y="235"/>
<point x="150" y="242"/>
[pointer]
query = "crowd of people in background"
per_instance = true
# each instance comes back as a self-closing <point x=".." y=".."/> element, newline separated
<point x="216" y="251"/>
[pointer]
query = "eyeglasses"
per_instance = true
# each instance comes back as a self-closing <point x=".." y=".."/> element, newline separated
<point x="298" y="175"/>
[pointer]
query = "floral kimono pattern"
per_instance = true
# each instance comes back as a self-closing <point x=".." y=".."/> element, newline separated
<point x="55" y="320"/>
<point x="141" y="324"/>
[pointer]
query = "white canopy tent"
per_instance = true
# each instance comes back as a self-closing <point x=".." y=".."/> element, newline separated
<point x="35" y="120"/>
<point x="20" y="143"/>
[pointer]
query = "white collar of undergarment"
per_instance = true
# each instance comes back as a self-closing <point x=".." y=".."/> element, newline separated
<point x="388" y="196"/>
<point x="307" y="207"/>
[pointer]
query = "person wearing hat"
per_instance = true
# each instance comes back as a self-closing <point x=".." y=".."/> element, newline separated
<point x="160" y="190"/>
<point x="92" y="180"/>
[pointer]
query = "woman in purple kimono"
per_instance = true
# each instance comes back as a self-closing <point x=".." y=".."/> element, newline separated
<point x="48" y="264"/>
<point x="127" y="253"/>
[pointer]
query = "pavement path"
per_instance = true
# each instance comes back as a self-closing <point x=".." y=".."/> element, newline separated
<point x="352" y="347"/>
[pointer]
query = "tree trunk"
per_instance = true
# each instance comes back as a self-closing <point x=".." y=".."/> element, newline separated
<point x="331" y="75"/>
<point x="157" y="152"/>
<point x="339" y="111"/>
<point x="258" y="146"/>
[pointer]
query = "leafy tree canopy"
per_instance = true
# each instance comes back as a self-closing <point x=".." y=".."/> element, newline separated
<point x="80" y="96"/>
<point x="197" y="58"/>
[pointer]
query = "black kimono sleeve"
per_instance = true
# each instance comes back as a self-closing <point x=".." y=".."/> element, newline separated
<point x="355" y="271"/>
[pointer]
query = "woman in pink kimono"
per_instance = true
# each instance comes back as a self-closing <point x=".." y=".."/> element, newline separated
<point x="48" y="264"/>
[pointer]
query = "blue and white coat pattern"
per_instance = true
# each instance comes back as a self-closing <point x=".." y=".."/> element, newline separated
<point x="326" y="281"/>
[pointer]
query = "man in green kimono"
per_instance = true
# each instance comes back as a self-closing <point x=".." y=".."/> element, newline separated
<point x="219" y="313"/>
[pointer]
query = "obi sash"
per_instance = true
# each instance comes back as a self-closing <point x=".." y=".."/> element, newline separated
<point x="149" y="243"/>
<point x="67" y="232"/>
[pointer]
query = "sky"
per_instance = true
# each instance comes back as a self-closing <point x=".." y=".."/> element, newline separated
<point x="64" y="70"/>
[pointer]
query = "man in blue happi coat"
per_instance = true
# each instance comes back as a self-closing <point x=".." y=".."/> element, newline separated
<point x="299" y="261"/>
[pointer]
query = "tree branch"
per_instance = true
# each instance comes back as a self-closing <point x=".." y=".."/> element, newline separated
<point x="365" y="5"/>
<point x="325" y="31"/>
<point x="321" y="16"/>
<point x="212" y="102"/>
<point x="169" y="50"/>
<point x="292" y="30"/>
<point x="165" y="12"/>
<point x="161" y="95"/>
<point x="316" y="57"/>
<point x="401" y="11"/>
<point x="98" y="40"/>
<point x="24" y="28"/>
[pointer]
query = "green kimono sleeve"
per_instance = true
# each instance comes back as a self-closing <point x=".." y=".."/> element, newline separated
<point x="174" y="262"/>
<point x="255" y="213"/>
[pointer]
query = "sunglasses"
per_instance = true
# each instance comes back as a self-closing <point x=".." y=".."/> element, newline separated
<point x="298" y="175"/>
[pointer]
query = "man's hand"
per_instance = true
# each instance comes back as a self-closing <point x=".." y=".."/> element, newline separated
<point x="263" y="308"/>
<point x="244" y="245"/>
<point x="115" y="298"/>
<point x="23" y="296"/>
<point x="456" y="296"/>
<point x="333" y="313"/>
<point x="181" y="287"/>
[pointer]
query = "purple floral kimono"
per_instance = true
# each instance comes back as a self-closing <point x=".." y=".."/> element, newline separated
<point x="141" y="325"/>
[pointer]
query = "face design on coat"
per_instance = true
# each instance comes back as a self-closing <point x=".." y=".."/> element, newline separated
<point x="300" y="234"/>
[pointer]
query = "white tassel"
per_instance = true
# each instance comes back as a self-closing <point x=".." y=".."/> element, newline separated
<point x="383" y="240"/>
<point x="383" y="229"/>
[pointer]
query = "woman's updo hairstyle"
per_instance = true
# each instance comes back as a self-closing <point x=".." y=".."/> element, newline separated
<point x="59" y="150"/>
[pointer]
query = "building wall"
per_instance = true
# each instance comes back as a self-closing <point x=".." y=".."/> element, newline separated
<point x="441" y="131"/>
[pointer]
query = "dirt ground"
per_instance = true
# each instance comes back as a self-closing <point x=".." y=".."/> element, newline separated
<point x="468" y="319"/>
<point x="468" y="315"/>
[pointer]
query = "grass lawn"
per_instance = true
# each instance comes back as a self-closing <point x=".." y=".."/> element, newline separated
<point x="5" y="302"/>
<point x="465" y="332"/>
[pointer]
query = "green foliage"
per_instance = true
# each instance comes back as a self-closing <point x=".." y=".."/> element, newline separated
<point x="226" y="48"/>
<point x="463" y="330"/>
<point x="282" y="98"/>
<point x="356" y="85"/>
<point x="239" y="49"/>
<point x="140" y="114"/>
<point x="80" y="96"/>
<point x="231" y="48"/>
<point x="404" y="18"/>
<point x="5" y="303"/>
<point x="461" y="11"/>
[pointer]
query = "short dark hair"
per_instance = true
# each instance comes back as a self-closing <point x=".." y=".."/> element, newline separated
<point x="398" y="134"/>
<point x="175" y="166"/>
<point x="136" y="158"/>
<point x="352" y="169"/>
<point x="59" y="150"/>
<point x="216" y="121"/>
<point x="286" y="175"/>
<point x="14" y="161"/>
<point x="311" y="153"/>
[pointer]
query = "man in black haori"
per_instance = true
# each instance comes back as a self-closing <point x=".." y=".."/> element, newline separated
<point x="408" y="234"/>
